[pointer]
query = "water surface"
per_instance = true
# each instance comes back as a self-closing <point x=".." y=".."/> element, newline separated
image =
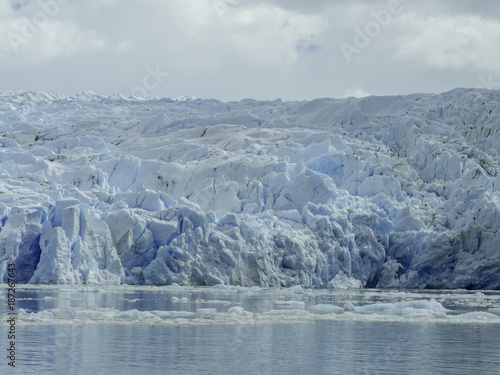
<point x="175" y="330"/>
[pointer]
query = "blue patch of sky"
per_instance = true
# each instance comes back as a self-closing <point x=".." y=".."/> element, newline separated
<point x="305" y="47"/>
<point x="18" y="4"/>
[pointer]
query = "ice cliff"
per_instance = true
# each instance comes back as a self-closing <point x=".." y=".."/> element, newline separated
<point x="400" y="191"/>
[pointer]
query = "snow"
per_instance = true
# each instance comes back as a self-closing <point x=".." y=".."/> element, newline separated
<point x="398" y="192"/>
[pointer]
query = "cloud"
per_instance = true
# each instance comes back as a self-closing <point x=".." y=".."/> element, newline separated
<point x="39" y="32"/>
<point x="255" y="33"/>
<point x="450" y="42"/>
<point x="303" y="7"/>
<point x="269" y="35"/>
<point x="232" y="49"/>
<point x="357" y="93"/>
<point x="488" y="9"/>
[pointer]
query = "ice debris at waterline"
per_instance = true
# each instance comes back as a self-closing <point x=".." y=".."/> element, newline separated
<point x="399" y="191"/>
<point x="175" y="305"/>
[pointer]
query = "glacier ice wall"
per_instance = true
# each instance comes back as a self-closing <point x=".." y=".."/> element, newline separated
<point x="400" y="191"/>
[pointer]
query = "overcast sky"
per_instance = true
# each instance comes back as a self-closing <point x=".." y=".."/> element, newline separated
<point x="236" y="49"/>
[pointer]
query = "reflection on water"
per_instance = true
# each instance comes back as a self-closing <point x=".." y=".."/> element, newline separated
<point x="62" y="336"/>
<point x="322" y="347"/>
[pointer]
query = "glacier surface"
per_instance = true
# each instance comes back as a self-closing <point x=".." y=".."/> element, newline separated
<point x="388" y="192"/>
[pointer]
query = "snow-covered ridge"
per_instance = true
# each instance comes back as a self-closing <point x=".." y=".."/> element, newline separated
<point x="398" y="191"/>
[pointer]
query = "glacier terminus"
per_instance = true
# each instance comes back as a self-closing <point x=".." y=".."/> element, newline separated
<point x="387" y="192"/>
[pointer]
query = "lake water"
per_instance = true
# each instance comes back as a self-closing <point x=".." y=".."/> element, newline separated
<point x="231" y="330"/>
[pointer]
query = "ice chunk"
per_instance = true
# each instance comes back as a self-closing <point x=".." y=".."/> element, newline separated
<point x="348" y="306"/>
<point x="322" y="309"/>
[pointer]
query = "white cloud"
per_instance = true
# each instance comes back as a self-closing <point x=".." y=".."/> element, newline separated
<point x="39" y="33"/>
<point x="357" y="93"/>
<point x="450" y="42"/>
<point x="197" y="31"/>
<point x="269" y="35"/>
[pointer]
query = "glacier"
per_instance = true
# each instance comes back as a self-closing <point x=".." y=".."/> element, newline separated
<point x="383" y="191"/>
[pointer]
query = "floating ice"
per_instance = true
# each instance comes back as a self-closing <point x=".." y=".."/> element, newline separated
<point x="261" y="306"/>
<point x="325" y="309"/>
<point x="290" y="304"/>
